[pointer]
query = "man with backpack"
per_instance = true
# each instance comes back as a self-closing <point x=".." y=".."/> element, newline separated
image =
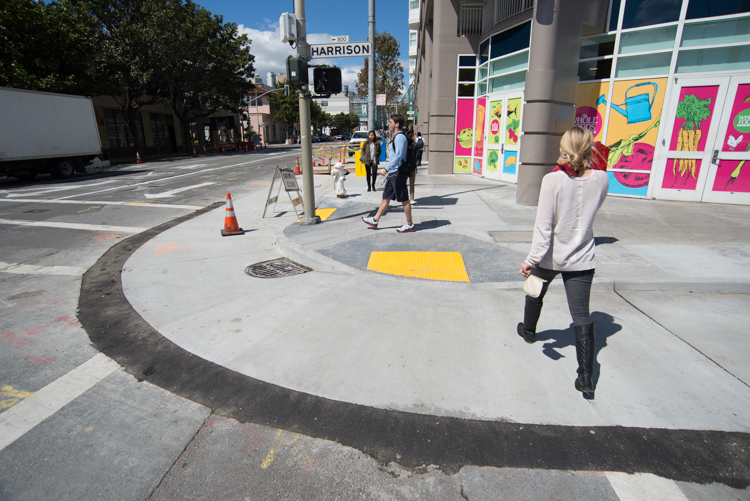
<point x="397" y="172"/>
<point x="411" y="160"/>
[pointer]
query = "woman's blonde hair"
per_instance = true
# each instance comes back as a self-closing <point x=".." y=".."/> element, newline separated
<point x="575" y="148"/>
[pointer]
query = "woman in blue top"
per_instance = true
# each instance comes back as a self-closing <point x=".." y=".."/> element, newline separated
<point x="395" y="182"/>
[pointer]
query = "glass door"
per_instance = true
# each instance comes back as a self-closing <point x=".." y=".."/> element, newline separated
<point x="729" y="172"/>
<point x="691" y="127"/>
<point x="502" y="142"/>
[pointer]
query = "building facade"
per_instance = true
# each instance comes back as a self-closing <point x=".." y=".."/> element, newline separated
<point x="666" y="85"/>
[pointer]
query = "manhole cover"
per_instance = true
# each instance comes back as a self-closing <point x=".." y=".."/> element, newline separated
<point x="35" y="211"/>
<point x="276" y="268"/>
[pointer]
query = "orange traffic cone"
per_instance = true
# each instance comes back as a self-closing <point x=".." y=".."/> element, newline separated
<point x="137" y="158"/>
<point x="194" y="153"/>
<point x="231" y="227"/>
<point x="297" y="172"/>
<point x="313" y="159"/>
<point x="222" y="148"/>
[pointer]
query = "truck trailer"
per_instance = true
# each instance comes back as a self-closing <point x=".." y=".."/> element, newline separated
<point x="44" y="132"/>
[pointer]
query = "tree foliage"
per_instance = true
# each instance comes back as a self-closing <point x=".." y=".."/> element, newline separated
<point x="140" y="52"/>
<point x="389" y="71"/>
<point x="345" y="121"/>
<point x="48" y="46"/>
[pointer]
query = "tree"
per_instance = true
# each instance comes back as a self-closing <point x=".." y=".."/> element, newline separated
<point x="346" y="121"/>
<point x="48" y="47"/>
<point x="287" y="106"/>
<point x="389" y="71"/>
<point x="206" y="66"/>
<point x="318" y="116"/>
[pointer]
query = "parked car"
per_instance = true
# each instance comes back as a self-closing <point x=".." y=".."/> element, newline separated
<point x="346" y="136"/>
<point x="357" y="139"/>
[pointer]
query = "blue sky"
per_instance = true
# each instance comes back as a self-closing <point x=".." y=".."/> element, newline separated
<point x="325" y="18"/>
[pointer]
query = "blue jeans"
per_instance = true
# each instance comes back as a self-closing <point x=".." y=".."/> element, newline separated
<point x="577" y="288"/>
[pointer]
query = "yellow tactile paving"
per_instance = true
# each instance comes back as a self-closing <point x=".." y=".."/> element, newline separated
<point x="323" y="214"/>
<point x="447" y="266"/>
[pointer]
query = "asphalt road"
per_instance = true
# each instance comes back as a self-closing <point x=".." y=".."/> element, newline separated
<point x="109" y="435"/>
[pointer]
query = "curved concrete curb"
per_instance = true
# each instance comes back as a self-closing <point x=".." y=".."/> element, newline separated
<point x="390" y="436"/>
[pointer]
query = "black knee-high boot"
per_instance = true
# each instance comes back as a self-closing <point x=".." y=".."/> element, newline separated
<point x="527" y="328"/>
<point x="585" y="348"/>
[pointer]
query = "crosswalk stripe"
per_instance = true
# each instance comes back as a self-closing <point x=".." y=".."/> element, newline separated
<point x="640" y="486"/>
<point x="102" y="202"/>
<point x="22" y="417"/>
<point x="29" y="269"/>
<point x="73" y="226"/>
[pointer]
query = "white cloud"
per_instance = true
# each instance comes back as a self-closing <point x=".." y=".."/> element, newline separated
<point x="270" y="53"/>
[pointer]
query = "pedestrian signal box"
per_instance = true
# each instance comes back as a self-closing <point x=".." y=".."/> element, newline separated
<point x="327" y="80"/>
<point x="296" y="71"/>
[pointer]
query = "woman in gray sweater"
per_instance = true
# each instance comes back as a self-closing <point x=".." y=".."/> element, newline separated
<point x="563" y="242"/>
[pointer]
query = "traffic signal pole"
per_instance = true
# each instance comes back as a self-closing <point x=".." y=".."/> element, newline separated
<point x="371" y="70"/>
<point x="308" y="190"/>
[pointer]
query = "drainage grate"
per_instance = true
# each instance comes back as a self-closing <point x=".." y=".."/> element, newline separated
<point x="35" y="211"/>
<point x="276" y="268"/>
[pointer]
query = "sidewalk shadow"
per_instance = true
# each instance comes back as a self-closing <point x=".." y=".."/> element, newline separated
<point x="605" y="327"/>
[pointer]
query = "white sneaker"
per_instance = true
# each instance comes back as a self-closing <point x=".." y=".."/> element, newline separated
<point x="371" y="222"/>
<point x="413" y="202"/>
<point x="407" y="228"/>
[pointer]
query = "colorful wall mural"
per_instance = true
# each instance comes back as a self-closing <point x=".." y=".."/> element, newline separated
<point x="590" y="109"/>
<point x="496" y="119"/>
<point x="732" y="175"/>
<point x="511" y="159"/>
<point x="462" y="164"/>
<point x="634" y="118"/>
<point x="695" y="112"/>
<point x="479" y="128"/>
<point x="492" y="160"/>
<point x="464" y="127"/>
<point x="477" y="166"/>
<point x="513" y="121"/>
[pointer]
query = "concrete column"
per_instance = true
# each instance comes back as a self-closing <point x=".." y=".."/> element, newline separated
<point x="552" y="85"/>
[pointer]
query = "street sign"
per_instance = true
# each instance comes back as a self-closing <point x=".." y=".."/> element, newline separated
<point x="340" y="39"/>
<point x="348" y="49"/>
<point x="380" y="99"/>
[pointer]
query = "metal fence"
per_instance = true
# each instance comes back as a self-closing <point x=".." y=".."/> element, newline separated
<point x="497" y="11"/>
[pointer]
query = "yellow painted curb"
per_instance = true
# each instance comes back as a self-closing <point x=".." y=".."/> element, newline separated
<point x="323" y="214"/>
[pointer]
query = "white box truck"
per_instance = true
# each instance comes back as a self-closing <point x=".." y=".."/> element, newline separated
<point x="43" y="132"/>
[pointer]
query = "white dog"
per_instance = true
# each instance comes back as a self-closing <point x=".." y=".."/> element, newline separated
<point x="339" y="173"/>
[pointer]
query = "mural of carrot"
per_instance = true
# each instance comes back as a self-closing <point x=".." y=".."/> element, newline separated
<point x="694" y="111"/>
<point x="625" y="146"/>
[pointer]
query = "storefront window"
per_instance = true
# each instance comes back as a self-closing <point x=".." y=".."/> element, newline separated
<point x="614" y="15"/>
<point x="482" y="88"/>
<point x="648" y="40"/>
<point x="510" y="41"/>
<point x="719" y="59"/>
<point x="466" y="74"/>
<point x="716" y="32"/>
<point x="467" y="61"/>
<point x="644" y="65"/>
<point x="709" y="8"/>
<point x="649" y="12"/>
<point x="595" y="69"/>
<point x="597" y="47"/>
<point x="465" y="90"/>
<point x="118" y="129"/>
<point x="510" y="63"/>
<point x="508" y="82"/>
<point x="483" y="72"/>
<point x="484" y="51"/>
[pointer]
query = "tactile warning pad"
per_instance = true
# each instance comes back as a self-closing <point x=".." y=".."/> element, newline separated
<point x="448" y="266"/>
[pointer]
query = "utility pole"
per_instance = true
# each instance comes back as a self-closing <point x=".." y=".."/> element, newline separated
<point x="371" y="71"/>
<point x="308" y="190"/>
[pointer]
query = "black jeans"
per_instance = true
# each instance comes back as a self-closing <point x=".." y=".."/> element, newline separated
<point x="372" y="172"/>
<point x="577" y="288"/>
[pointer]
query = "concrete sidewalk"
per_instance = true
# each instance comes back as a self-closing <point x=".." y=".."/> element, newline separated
<point x="669" y="303"/>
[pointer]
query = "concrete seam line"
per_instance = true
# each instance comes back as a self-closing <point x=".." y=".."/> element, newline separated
<point x="22" y="417"/>
<point x="638" y="486"/>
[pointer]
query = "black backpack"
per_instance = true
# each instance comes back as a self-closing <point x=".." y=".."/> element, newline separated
<point x="409" y="164"/>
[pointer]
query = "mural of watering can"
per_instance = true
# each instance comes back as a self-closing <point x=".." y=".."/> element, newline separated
<point x="636" y="108"/>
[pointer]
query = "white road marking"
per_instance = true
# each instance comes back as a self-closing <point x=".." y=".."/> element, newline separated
<point x="44" y="191"/>
<point x="171" y="193"/>
<point x="191" y="166"/>
<point x="25" y="415"/>
<point x="28" y="269"/>
<point x="640" y="486"/>
<point x="74" y="226"/>
<point x="102" y="202"/>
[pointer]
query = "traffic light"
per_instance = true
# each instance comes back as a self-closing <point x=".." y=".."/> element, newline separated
<point x="327" y="80"/>
<point x="296" y="71"/>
